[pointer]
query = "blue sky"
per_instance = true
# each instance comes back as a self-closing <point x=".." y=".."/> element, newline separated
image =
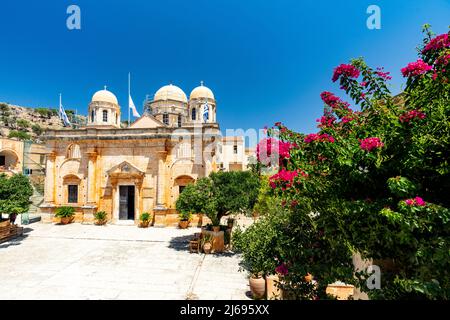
<point x="266" y="61"/>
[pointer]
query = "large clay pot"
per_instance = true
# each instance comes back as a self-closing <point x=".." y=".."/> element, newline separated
<point x="66" y="220"/>
<point x="144" y="224"/>
<point x="100" y="222"/>
<point x="257" y="287"/>
<point x="183" y="224"/>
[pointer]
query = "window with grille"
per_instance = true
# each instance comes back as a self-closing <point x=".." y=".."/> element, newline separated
<point x="165" y="118"/>
<point x="194" y="114"/>
<point x="105" y="116"/>
<point x="73" y="193"/>
<point x="235" y="149"/>
<point x="179" y="120"/>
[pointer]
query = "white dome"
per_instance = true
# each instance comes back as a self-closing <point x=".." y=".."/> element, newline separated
<point x="105" y="96"/>
<point x="170" y="92"/>
<point x="202" y="92"/>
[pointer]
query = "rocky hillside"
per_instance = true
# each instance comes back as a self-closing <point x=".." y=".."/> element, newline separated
<point x="30" y="123"/>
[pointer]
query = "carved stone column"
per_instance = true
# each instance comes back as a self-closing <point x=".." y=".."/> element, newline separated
<point x="50" y="179"/>
<point x="91" y="183"/>
<point x="160" y="182"/>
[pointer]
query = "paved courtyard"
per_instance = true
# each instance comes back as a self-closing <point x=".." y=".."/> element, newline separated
<point x="114" y="262"/>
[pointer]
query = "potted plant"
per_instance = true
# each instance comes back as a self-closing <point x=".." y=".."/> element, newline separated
<point x="100" y="218"/>
<point x="207" y="243"/>
<point x="144" y="220"/>
<point x="257" y="285"/>
<point x="185" y="219"/>
<point x="215" y="223"/>
<point x="66" y="214"/>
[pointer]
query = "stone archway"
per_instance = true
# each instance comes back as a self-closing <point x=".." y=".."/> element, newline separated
<point x="9" y="161"/>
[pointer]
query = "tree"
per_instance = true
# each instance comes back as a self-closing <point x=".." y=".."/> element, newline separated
<point x="15" y="193"/>
<point x="220" y="194"/>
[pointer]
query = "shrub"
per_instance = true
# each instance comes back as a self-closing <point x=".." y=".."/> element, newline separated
<point x="374" y="181"/>
<point x="65" y="212"/>
<point x="37" y="129"/>
<point x="21" y="135"/>
<point x="23" y="124"/>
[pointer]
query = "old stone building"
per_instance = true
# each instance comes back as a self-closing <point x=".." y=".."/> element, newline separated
<point x="142" y="168"/>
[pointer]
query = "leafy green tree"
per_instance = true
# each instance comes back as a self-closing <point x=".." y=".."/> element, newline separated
<point x="15" y="193"/>
<point x="220" y="194"/>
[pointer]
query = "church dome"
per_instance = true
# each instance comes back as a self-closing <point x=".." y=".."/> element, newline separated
<point x="170" y="92"/>
<point x="202" y="92"/>
<point x="105" y="96"/>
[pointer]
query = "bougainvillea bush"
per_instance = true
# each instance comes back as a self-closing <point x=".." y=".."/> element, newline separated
<point x="374" y="180"/>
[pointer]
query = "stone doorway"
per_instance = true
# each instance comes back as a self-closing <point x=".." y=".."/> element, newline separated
<point x="126" y="202"/>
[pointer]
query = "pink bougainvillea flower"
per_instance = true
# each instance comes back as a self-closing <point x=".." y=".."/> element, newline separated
<point x="369" y="144"/>
<point x="326" y="121"/>
<point x="437" y="43"/>
<point x="411" y="115"/>
<point x="269" y="148"/>
<point x="346" y="70"/>
<point x="442" y="60"/>
<point x="417" y="68"/>
<point x="282" y="269"/>
<point x="324" y="137"/>
<point x="333" y="101"/>
<point x="416" y="202"/>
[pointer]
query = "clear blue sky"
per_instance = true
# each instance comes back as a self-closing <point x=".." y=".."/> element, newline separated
<point x="266" y="61"/>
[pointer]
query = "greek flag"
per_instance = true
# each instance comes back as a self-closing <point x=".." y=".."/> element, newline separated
<point x="206" y="112"/>
<point x="133" y="107"/>
<point x="62" y="114"/>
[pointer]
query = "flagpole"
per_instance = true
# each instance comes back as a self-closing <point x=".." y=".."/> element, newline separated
<point x="129" y="95"/>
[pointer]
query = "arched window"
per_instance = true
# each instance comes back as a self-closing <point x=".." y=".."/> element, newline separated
<point x="105" y="115"/>
<point x="73" y="152"/>
<point x="92" y="115"/>
<point x="179" y="120"/>
<point x="194" y="114"/>
<point x="166" y="118"/>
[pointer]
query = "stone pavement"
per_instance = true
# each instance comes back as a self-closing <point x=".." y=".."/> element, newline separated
<point x="114" y="262"/>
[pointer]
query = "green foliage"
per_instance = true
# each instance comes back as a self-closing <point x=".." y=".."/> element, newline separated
<point x="401" y="187"/>
<point x="185" y="216"/>
<point x="100" y="215"/>
<point x="65" y="212"/>
<point x="46" y="112"/>
<point x="15" y="193"/>
<point x="266" y="201"/>
<point x="144" y="217"/>
<point x="23" y="124"/>
<point x="21" y="135"/>
<point x="37" y="129"/>
<point x="220" y="194"/>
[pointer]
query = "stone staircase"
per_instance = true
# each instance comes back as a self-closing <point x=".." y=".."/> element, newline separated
<point x="34" y="212"/>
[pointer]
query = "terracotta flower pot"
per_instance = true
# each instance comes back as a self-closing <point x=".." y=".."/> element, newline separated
<point x="183" y="224"/>
<point x="207" y="247"/>
<point x="66" y="220"/>
<point x="257" y="286"/>
<point x="100" y="222"/>
<point x="144" y="224"/>
<point x="216" y="228"/>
